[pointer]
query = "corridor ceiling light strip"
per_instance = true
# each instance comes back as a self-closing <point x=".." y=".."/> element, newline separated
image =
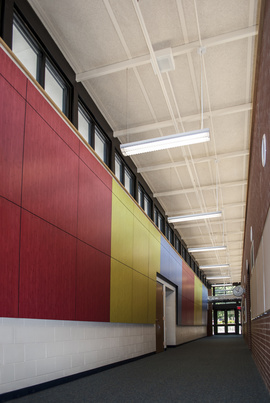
<point x="163" y="143"/>
<point x="217" y="278"/>
<point x="222" y="285"/>
<point x="193" y="217"/>
<point x="215" y="266"/>
<point x="207" y="249"/>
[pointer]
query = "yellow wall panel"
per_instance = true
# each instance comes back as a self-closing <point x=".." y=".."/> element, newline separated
<point x="122" y="232"/>
<point x="122" y="195"/>
<point x="140" y="248"/>
<point x="121" y="293"/>
<point x="140" y="298"/>
<point x="152" y="301"/>
<point x="154" y="256"/>
<point x="155" y="232"/>
<point x="139" y="214"/>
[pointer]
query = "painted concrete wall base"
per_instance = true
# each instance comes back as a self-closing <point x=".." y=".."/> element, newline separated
<point x="37" y="351"/>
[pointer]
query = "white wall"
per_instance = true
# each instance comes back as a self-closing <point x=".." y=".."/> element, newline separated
<point x="37" y="351"/>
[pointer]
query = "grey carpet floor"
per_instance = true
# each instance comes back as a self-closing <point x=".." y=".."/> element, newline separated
<point x="213" y="370"/>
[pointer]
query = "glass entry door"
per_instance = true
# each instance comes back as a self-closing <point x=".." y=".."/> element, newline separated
<point x="226" y="321"/>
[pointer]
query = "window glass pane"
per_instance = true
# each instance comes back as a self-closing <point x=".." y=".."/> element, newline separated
<point x="140" y="197"/>
<point x="231" y="316"/>
<point x="24" y="50"/>
<point x="147" y="205"/>
<point x="220" y="317"/>
<point x="160" y="222"/>
<point x="100" y="146"/>
<point x="128" y="181"/>
<point x="231" y="329"/>
<point x="84" y="125"/>
<point x="53" y="86"/>
<point x="118" y="168"/>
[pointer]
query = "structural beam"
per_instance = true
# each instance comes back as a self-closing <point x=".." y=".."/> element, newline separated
<point x="202" y="223"/>
<point x="191" y="118"/>
<point x="192" y="190"/>
<point x="219" y="157"/>
<point x="176" y="51"/>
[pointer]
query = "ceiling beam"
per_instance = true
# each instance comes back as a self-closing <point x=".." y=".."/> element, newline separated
<point x="219" y="157"/>
<point x="191" y="190"/>
<point x="212" y="208"/>
<point x="213" y="235"/>
<point x="202" y="222"/>
<point x="176" y="51"/>
<point x="113" y="68"/>
<point x="191" y="118"/>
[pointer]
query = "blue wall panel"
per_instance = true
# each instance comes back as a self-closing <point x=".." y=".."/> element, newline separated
<point x="171" y="268"/>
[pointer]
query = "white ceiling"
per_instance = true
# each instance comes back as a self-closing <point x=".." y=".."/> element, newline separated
<point x="111" y="45"/>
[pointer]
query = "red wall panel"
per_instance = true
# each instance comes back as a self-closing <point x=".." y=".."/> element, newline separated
<point x="94" y="210"/>
<point x="95" y="166"/>
<point x="187" y="312"/>
<point x="50" y="176"/>
<point x="9" y="257"/>
<point x="11" y="141"/>
<point x="47" y="271"/>
<point x="187" y="283"/>
<point x="93" y="284"/>
<point x="187" y="295"/>
<point x="12" y="73"/>
<point x="48" y="113"/>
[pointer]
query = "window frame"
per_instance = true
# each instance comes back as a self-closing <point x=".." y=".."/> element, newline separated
<point x="158" y="217"/>
<point x="125" y="170"/>
<point x="145" y="198"/>
<point x="86" y="115"/>
<point x="54" y="71"/>
<point x="98" y="132"/>
<point x="43" y="60"/>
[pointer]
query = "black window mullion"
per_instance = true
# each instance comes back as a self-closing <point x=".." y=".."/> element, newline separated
<point x="41" y="69"/>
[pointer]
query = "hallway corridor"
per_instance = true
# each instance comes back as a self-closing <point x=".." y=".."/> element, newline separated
<point x="216" y="369"/>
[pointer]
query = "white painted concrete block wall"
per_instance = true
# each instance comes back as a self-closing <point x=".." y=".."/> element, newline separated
<point x="37" y="351"/>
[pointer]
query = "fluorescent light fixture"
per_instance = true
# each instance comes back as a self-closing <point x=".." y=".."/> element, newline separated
<point x="215" y="266"/>
<point x="207" y="249"/>
<point x="163" y="143"/>
<point x="217" y="278"/>
<point x="222" y="285"/>
<point x="193" y="217"/>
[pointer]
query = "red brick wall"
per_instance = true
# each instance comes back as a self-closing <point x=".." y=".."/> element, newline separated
<point x="260" y="342"/>
<point x="257" y="332"/>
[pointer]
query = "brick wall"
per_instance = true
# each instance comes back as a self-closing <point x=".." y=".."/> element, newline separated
<point x="260" y="341"/>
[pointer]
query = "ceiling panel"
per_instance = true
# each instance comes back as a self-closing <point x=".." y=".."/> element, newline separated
<point x="140" y="104"/>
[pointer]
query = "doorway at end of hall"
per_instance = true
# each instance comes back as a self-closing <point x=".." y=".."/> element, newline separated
<point x="227" y="321"/>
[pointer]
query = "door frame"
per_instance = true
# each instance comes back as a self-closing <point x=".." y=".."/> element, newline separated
<point x="169" y="312"/>
<point x="225" y="309"/>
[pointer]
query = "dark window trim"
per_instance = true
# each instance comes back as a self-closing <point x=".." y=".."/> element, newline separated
<point x="83" y="111"/>
<point x="125" y="169"/>
<point x="44" y="60"/>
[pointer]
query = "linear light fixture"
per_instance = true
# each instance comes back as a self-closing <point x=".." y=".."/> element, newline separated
<point x="222" y="285"/>
<point x="215" y="266"/>
<point x="217" y="278"/>
<point x="163" y="143"/>
<point x="207" y="249"/>
<point x="193" y="217"/>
